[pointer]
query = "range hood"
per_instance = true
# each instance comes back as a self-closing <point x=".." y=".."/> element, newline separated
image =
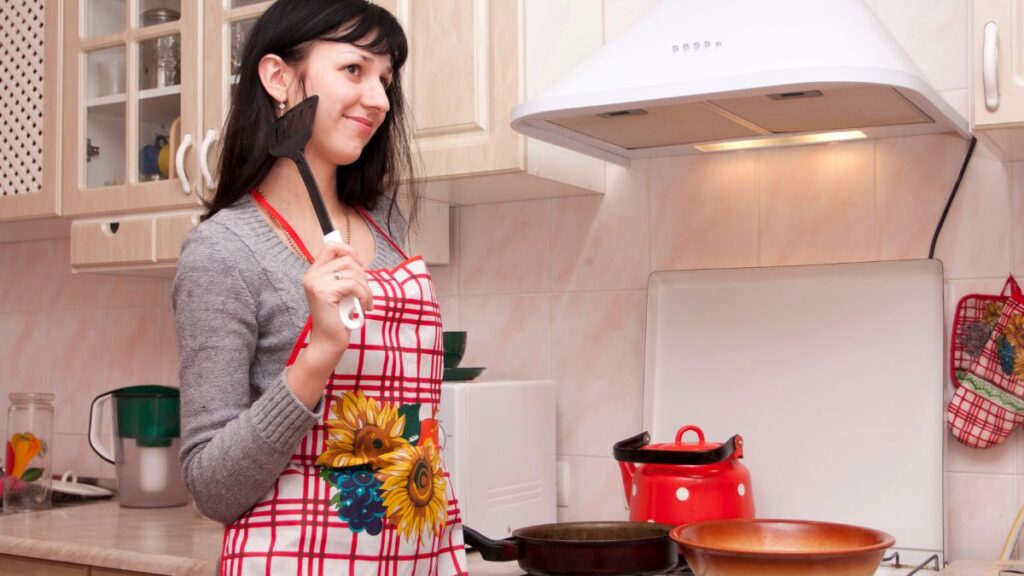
<point x="695" y="76"/>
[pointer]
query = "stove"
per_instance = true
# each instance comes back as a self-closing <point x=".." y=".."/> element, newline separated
<point x="891" y="566"/>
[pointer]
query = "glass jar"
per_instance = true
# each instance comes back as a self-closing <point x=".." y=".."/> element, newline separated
<point x="27" y="473"/>
<point x="161" y="56"/>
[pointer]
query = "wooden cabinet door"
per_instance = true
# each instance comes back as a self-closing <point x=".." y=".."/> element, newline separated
<point x="462" y="81"/>
<point x="997" y="64"/>
<point x="131" y="89"/>
<point x="228" y="23"/>
<point x="29" y="151"/>
<point x="108" y="572"/>
<point x="14" y="566"/>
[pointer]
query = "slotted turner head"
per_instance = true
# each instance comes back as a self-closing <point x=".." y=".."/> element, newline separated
<point x="290" y="133"/>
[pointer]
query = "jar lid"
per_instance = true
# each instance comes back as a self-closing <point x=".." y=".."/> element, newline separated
<point x="31" y="397"/>
<point x="159" y="16"/>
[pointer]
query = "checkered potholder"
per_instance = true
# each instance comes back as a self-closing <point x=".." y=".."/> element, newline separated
<point x="987" y="365"/>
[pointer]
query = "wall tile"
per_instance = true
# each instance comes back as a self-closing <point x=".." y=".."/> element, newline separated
<point x="995" y="460"/>
<point x="816" y="204"/>
<point x="78" y="375"/>
<point x="132" y="348"/>
<point x="26" y="353"/>
<point x="979" y="511"/>
<point x="595" y="490"/>
<point x="449" y="312"/>
<point x="915" y="176"/>
<point x="503" y="248"/>
<point x="598" y="365"/>
<point x="974" y="242"/>
<point x="934" y="34"/>
<point x="509" y="335"/>
<point x="600" y="242"/>
<point x="168" y="338"/>
<point x="72" y="452"/>
<point x="28" y="275"/>
<point x="704" y="211"/>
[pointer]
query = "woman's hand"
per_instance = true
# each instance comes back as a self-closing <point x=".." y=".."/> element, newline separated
<point x="336" y="274"/>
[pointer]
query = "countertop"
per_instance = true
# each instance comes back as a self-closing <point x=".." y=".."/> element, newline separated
<point x="172" y="541"/>
<point x="179" y="542"/>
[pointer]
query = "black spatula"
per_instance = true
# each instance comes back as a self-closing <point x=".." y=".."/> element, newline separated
<point x="288" y="137"/>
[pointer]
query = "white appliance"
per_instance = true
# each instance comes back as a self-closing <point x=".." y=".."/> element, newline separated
<point x="833" y="375"/>
<point x="499" y="447"/>
<point x="704" y="75"/>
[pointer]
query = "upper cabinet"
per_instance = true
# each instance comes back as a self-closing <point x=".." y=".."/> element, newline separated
<point x="131" y="114"/>
<point x="997" y="75"/>
<point x="30" y="53"/>
<point x="470" y="63"/>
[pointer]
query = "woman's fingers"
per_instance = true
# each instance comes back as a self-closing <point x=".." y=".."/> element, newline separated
<point x="352" y="282"/>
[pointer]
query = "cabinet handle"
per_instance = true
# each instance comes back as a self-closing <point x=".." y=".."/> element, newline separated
<point x="179" y="163"/>
<point x="989" y="66"/>
<point x="204" y="162"/>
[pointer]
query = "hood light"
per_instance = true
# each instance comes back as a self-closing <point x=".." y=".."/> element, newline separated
<point x="783" y="141"/>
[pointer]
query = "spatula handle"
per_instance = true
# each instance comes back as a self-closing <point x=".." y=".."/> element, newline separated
<point x="350" y="309"/>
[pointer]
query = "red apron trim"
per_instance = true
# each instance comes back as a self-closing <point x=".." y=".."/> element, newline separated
<point x="386" y="236"/>
<point x="262" y="201"/>
<point x="284" y="223"/>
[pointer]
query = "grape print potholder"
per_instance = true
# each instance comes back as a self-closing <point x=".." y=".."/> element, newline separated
<point x="987" y="366"/>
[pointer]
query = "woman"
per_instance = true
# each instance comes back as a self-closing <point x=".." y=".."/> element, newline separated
<point x="316" y="446"/>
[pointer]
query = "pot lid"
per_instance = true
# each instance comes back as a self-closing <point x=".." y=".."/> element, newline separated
<point x="701" y="445"/>
<point x="639" y="450"/>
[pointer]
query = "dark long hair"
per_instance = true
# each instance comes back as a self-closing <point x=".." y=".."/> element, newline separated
<point x="288" y="29"/>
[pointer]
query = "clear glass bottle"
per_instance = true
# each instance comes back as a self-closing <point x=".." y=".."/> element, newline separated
<point x="27" y="473"/>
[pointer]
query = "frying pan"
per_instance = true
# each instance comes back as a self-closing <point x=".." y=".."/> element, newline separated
<point x="571" y="548"/>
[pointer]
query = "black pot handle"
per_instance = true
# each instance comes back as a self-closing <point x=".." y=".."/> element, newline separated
<point x="492" y="550"/>
<point x="631" y="450"/>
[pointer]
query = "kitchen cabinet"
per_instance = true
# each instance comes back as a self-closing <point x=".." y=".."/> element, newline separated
<point x="14" y="566"/>
<point x="30" y="52"/>
<point x="997" y="76"/>
<point x="470" y="63"/>
<point x="131" y="111"/>
<point x="142" y="243"/>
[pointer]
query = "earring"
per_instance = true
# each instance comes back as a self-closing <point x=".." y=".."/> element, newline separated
<point x="281" y="106"/>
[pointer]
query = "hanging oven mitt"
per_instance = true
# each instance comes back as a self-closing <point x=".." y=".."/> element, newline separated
<point x="987" y="366"/>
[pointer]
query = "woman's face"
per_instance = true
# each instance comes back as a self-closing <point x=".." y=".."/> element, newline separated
<point x="351" y="83"/>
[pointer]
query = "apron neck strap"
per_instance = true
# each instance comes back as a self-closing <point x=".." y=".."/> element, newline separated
<point x="386" y="236"/>
<point x="258" y="196"/>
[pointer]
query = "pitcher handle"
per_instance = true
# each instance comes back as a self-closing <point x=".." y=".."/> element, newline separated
<point x="95" y="417"/>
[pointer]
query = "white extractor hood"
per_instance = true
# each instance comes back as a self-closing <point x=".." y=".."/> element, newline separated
<point x="692" y="75"/>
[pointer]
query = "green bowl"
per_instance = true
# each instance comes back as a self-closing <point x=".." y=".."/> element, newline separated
<point x="454" y="348"/>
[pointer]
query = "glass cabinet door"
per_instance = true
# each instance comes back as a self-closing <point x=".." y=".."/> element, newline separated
<point x="130" y="75"/>
<point x="228" y="25"/>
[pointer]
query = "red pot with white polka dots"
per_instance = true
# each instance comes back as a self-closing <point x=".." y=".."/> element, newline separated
<point x="684" y="482"/>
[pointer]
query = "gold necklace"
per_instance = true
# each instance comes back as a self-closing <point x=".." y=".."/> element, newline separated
<point x="291" y="242"/>
<point x="287" y="236"/>
<point x="348" y="225"/>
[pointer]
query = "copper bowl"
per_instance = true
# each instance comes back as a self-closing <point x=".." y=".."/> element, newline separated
<point x="780" y="547"/>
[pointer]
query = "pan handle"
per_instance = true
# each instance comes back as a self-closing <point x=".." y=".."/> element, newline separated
<point x="492" y="550"/>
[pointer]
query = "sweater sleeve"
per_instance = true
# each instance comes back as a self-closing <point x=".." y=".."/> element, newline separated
<point x="234" y="444"/>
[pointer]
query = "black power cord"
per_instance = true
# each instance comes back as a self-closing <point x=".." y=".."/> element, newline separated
<point x="956" y="186"/>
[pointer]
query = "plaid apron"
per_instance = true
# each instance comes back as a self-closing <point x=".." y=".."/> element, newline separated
<point x="365" y="494"/>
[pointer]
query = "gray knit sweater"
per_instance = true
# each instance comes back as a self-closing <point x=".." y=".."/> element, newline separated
<point x="239" y="306"/>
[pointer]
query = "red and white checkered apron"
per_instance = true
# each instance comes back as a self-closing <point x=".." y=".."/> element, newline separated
<point x="396" y="358"/>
